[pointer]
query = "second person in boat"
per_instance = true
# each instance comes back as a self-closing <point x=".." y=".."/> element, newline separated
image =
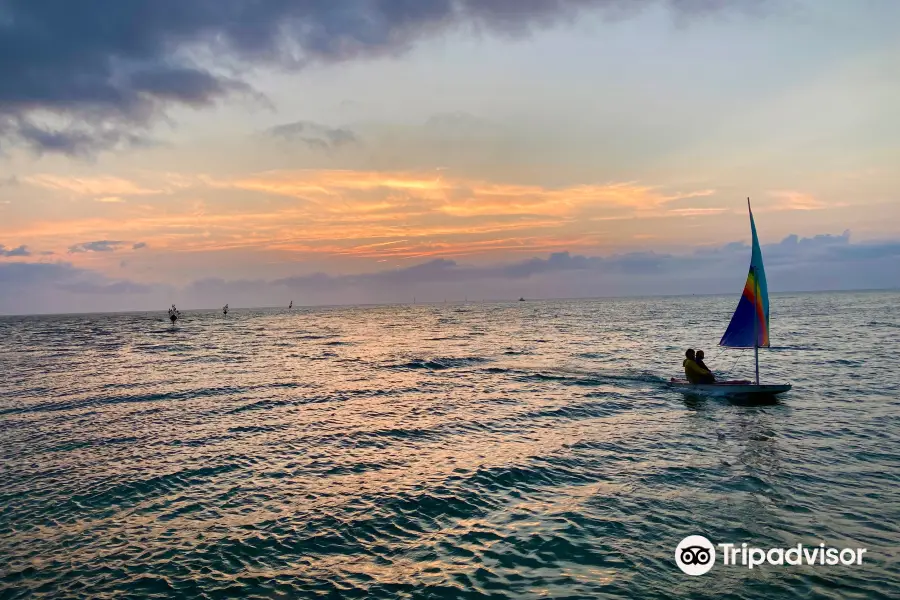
<point x="709" y="377"/>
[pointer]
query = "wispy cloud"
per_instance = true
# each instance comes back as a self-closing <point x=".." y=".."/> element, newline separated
<point x="794" y="200"/>
<point x="374" y="214"/>
<point x="697" y="212"/>
<point x="14" y="252"/>
<point x="98" y="246"/>
<point x="108" y="189"/>
<point x="331" y="190"/>
<point x="314" y="135"/>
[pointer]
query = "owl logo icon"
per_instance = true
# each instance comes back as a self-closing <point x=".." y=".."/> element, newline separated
<point x="695" y="555"/>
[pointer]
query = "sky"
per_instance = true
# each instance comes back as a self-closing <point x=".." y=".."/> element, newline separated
<point x="362" y="151"/>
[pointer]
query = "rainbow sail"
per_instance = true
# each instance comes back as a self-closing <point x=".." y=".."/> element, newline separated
<point x="751" y="318"/>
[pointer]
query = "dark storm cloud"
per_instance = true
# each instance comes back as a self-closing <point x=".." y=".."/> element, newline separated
<point x="317" y="137"/>
<point x="98" y="246"/>
<point x="20" y="251"/>
<point x="106" y="70"/>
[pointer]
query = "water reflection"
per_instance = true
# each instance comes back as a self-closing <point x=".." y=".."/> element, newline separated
<point x="513" y="449"/>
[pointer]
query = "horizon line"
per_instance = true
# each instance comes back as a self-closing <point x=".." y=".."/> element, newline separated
<point x="455" y="301"/>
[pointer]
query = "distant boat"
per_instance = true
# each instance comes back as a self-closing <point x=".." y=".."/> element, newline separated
<point x="174" y="313"/>
<point x="521" y="299"/>
<point x="749" y="328"/>
<point x="225" y="310"/>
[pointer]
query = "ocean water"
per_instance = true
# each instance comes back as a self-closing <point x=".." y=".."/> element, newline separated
<point x="470" y="450"/>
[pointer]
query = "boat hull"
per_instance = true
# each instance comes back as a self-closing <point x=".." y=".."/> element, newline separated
<point x="729" y="388"/>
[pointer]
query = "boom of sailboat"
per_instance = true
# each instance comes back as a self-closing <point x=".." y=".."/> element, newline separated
<point x="749" y="328"/>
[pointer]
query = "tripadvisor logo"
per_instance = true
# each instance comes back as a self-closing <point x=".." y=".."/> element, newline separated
<point x="696" y="555"/>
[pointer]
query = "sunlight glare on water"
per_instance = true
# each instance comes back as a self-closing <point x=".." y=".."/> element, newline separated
<point x="521" y="450"/>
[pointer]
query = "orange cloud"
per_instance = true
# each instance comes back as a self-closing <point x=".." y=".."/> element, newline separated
<point x="331" y="189"/>
<point x="793" y="200"/>
<point x="90" y="186"/>
<point x="697" y="212"/>
<point x="363" y="214"/>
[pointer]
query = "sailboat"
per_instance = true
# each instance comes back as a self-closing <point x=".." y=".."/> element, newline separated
<point x="749" y="328"/>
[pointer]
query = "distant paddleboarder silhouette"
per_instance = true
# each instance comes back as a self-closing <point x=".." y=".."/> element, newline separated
<point x="225" y="310"/>
<point x="291" y="305"/>
<point x="174" y="313"/>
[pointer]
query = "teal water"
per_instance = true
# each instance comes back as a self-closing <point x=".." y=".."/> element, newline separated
<point x="520" y="450"/>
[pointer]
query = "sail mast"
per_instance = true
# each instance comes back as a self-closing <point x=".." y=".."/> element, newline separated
<point x="756" y="335"/>
<point x="756" y="319"/>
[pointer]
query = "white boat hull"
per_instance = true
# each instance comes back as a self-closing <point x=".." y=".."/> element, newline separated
<point x="728" y="389"/>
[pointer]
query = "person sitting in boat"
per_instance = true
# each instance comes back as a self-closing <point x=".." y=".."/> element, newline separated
<point x="692" y="371"/>
<point x="699" y="360"/>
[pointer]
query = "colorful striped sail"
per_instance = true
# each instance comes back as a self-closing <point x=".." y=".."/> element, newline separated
<point x="751" y="318"/>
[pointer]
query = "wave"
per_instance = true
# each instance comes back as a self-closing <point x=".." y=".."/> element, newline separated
<point x="883" y="324"/>
<point x="499" y="466"/>
<point x="800" y="348"/>
<point x="581" y="376"/>
<point x="438" y="364"/>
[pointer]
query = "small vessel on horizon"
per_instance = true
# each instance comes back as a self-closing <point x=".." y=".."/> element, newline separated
<point x="225" y="310"/>
<point x="174" y="313"/>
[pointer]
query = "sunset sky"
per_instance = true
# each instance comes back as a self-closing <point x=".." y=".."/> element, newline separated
<point x="350" y="151"/>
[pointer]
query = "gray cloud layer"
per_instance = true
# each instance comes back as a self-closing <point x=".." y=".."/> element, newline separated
<point x="317" y="137"/>
<point x="108" y="69"/>
<point x="98" y="246"/>
<point x="19" y="251"/>
<point x="104" y="246"/>
<point x="824" y="262"/>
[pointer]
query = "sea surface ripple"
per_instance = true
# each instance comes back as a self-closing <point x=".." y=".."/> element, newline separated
<point x="467" y="450"/>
